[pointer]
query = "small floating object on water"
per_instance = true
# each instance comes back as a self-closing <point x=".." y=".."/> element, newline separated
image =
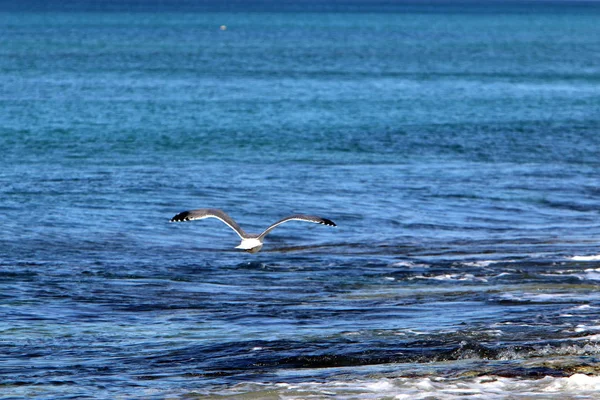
<point x="252" y="243"/>
<point x="223" y="27"/>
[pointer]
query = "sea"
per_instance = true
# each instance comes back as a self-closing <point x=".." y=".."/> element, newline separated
<point x="456" y="145"/>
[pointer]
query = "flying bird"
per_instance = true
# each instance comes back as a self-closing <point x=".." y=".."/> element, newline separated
<point x="251" y="243"/>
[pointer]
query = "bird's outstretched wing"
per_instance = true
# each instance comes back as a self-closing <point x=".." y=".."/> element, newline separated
<point x="298" y="217"/>
<point x="203" y="213"/>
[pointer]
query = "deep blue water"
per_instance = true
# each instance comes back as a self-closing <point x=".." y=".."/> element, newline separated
<point x="456" y="146"/>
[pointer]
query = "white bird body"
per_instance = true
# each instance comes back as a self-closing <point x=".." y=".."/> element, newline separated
<point x="251" y="243"/>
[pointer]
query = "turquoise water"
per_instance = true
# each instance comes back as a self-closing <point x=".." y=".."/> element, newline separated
<point x="454" y="144"/>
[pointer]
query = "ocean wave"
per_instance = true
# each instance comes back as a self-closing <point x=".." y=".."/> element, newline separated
<point x="590" y="274"/>
<point x="575" y="386"/>
<point x="548" y="297"/>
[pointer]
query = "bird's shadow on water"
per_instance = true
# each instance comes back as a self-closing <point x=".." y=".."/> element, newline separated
<point x="253" y="265"/>
<point x="288" y="258"/>
<point x="273" y="264"/>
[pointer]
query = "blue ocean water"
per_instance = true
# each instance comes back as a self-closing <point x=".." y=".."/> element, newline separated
<point x="456" y="146"/>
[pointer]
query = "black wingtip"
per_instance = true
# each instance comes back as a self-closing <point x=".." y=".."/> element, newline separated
<point x="182" y="216"/>
<point x="328" y="222"/>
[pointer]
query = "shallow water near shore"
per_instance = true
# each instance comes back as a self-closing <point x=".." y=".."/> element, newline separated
<point x="456" y="148"/>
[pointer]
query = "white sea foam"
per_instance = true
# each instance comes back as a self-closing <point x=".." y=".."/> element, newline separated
<point x="586" y="258"/>
<point x="502" y="274"/>
<point x="591" y="338"/>
<point x="584" y="328"/>
<point x="583" y="307"/>
<point x="573" y="311"/>
<point x="452" y="277"/>
<point x="592" y="274"/>
<point x="482" y="263"/>
<point x="549" y="297"/>
<point x="577" y="386"/>
<point x="409" y="264"/>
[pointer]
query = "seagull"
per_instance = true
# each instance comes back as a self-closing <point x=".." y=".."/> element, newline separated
<point x="251" y="243"/>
